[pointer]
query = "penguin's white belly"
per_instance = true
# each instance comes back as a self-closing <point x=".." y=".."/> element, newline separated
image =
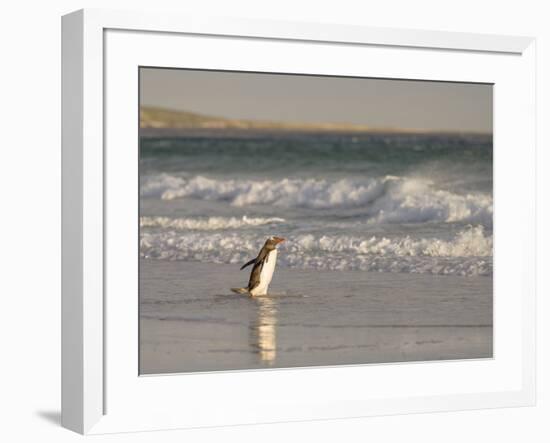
<point x="266" y="275"/>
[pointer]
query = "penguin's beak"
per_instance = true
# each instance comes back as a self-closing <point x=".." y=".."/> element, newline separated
<point x="279" y="239"/>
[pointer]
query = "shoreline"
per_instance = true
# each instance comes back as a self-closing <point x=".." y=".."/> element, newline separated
<point x="156" y="118"/>
<point x="192" y="132"/>
<point x="191" y="322"/>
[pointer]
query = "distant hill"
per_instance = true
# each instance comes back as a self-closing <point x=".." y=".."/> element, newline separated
<point x="154" y="120"/>
<point x="159" y="118"/>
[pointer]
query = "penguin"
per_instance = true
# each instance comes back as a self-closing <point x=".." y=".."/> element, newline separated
<point x="262" y="271"/>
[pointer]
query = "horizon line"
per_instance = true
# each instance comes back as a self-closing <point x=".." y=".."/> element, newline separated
<point x="216" y="123"/>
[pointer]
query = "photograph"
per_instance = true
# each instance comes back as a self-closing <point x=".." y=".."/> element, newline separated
<point x="289" y="220"/>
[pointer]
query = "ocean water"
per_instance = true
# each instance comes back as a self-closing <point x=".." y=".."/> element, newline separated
<point x="388" y="255"/>
<point x="389" y="203"/>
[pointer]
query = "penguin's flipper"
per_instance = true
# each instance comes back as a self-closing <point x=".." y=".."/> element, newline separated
<point x="240" y="290"/>
<point x="248" y="264"/>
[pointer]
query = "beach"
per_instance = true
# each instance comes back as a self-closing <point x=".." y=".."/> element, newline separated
<point x="190" y="321"/>
<point x="388" y="257"/>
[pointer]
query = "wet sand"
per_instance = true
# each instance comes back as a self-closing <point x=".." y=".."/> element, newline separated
<point x="190" y="321"/>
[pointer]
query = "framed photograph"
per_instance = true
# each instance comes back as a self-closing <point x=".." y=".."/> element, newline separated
<point x="273" y="221"/>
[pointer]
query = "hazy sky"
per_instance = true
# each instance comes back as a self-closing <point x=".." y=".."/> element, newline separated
<point x="293" y="98"/>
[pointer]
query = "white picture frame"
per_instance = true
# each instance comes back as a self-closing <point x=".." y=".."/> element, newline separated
<point x="101" y="389"/>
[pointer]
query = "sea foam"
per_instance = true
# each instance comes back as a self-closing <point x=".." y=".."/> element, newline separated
<point x="469" y="253"/>
<point x="208" y="223"/>
<point x="386" y="199"/>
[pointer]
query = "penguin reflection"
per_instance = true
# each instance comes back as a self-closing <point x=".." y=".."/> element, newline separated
<point x="264" y="329"/>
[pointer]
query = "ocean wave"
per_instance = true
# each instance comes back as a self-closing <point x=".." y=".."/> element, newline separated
<point x="207" y="223"/>
<point x="387" y="199"/>
<point x="471" y="242"/>
<point x="469" y="253"/>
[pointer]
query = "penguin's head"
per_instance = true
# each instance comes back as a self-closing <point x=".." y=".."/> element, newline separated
<point x="272" y="242"/>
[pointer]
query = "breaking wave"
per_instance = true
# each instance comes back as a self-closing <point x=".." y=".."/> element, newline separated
<point x="468" y="254"/>
<point x="387" y="199"/>
<point x="207" y="223"/>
